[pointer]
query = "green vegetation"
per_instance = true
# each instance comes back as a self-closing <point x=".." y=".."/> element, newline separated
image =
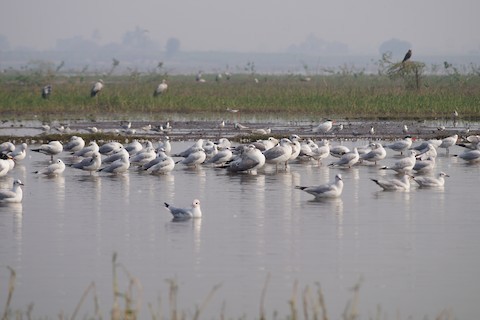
<point x="398" y="91"/>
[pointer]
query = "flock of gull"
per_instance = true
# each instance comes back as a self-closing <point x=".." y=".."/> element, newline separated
<point x="415" y="163"/>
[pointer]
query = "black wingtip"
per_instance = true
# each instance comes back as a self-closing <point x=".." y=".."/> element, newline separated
<point x="166" y="204"/>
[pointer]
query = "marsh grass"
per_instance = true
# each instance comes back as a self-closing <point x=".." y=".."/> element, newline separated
<point x="309" y="304"/>
<point x="340" y="95"/>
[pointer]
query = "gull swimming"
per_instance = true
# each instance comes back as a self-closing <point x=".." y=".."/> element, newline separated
<point x="193" y="211"/>
<point x="329" y="190"/>
<point x="14" y="195"/>
<point x="428" y="182"/>
<point x="402" y="184"/>
<point x="471" y="156"/>
<point x="54" y="169"/>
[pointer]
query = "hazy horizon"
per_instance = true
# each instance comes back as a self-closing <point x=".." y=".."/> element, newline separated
<point x="430" y="27"/>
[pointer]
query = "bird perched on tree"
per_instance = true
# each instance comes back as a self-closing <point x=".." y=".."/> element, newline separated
<point x="97" y="87"/>
<point x="408" y="55"/>
<point x="162" y="87"/>
<point x="46" y="91"/>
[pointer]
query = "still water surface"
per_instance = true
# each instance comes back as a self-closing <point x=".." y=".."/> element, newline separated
<point x="416" y="252"/>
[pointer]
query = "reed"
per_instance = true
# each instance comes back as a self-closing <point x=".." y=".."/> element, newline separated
<point x="127" y="303"/>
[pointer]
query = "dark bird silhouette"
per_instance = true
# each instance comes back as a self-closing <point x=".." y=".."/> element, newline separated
<point x="46" y="91"/>
<point x="408" y="55"/>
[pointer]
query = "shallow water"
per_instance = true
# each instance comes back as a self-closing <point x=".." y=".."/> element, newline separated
<point x="415" y="252"/>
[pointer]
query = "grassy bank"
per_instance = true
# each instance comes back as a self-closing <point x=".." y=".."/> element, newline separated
<point x="349" y="96"/>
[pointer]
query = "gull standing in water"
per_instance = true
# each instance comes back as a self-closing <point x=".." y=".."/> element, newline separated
<point x="280" y="153"/>
<point x="19" y="153"/>
<point x="193" y="211"/>
<point x="249" y="160"/>
<point x="90" y="164"/>
<point x="74" y="144"/>
<point x="51" y="149"/>
<point x="14" y="195"/>
<point x="377" y="153"/>
<point x="448" y="142"/>
<point x="330" y="190"/>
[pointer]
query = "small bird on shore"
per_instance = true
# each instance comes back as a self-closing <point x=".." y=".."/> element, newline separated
<point x="193" y="211"/>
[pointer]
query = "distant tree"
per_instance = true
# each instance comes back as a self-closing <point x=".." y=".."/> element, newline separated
<point x="76" y="43"/>
<point x="411" y="72"/>
<point x="172" y="47"/>
<point x="395" y="46"/>
<point x="138" y="39"/>
<point x="314" y="45"/>
<point x="4" y="43"/>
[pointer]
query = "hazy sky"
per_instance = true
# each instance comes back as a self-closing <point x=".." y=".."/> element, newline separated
<point x="431" y="26"/>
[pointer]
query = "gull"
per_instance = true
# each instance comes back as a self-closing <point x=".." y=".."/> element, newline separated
<point x="239" y="126"/>
<point x="96" y="88"/>
<point x="144" y="156"/>
<point x="46" y="91"/>
<point x="249" y="160"/>
<point x="280" y="153"/>
<point x="122" y="153"/>
<point x="264" y="145"/>
<point x="400" y="145"/>
<point x="223" y="156"/>
<point x="14" y="195"/>
<point x="7" y="147"/>
<point x="405" y="164"/>
<point x="54" y="169"/>
<point x="19" y="153"/>
<point x="87" y="151"/>
<point x="193" y="211"/>
<point x="471" y="156"/>
<point x="428" y="182"/>
<point x="295" y="139"/>
<point x="90" y="164"/>
<point x="348" y="159"/>
<point x="372" y="130"/>
<point x="133" y="147"/>
<point x="161" y="88"/>
<point x="232" y="110"/>
<point x="166" y="145"/>
<point x="324" y="127"/>
<point x="448" y="142"/>
<point x="402" y="184"/>
<point x="5" y="165"/>
<point x="376" y="154"/>
<point x="161" y="164"/>
<point x="262" y="131"/>
<point x="74" y="144"/>
<point x="422" y="166"/>
<point x="210" y="148"/>
<point x="330" y="190"/>
<point x="306" y="149"/>
<point x="147" y="127"/>
<point x="92" y="129"/>
<point x="224" y="142"/>
<point x="196" y="156"/>
<point x="194" y="147"/>
<point x="45" y="127"/>
<point x="118" y="166"/>
<point x="339" y="151"/>
<point x="321" y="151"/>
<point x="110" y="147"/>
<point x="405" y="129"/>
<point x="428" y="152"/>
<point x="125" y="125"/>
<point x="51" y="149"/>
